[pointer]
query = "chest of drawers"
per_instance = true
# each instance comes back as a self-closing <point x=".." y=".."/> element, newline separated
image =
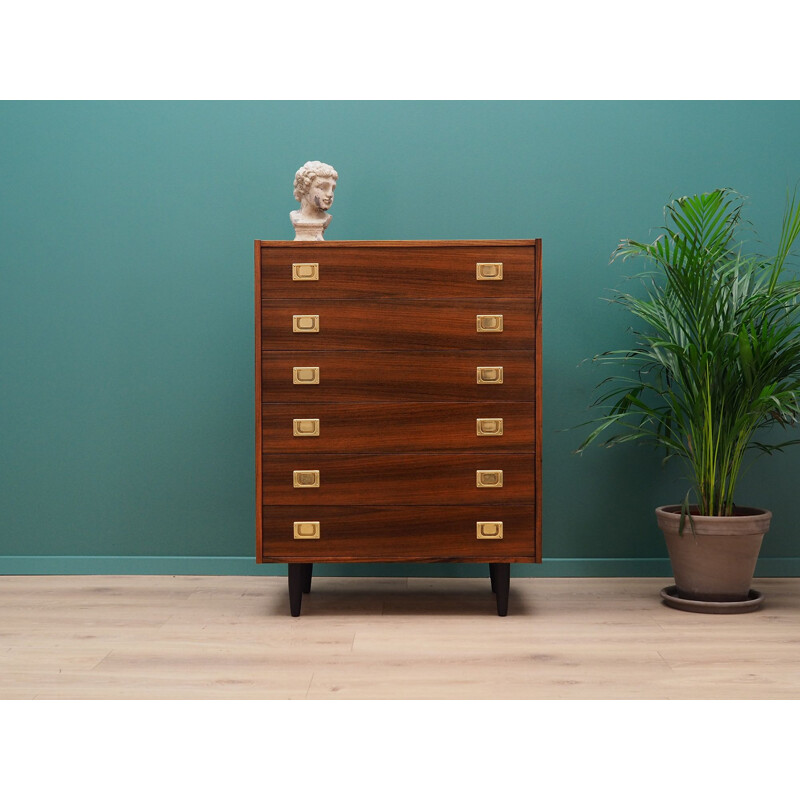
<point x="398" y="404"/>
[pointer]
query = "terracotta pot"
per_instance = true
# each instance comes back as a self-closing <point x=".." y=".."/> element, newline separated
<point x="714" y="562"/>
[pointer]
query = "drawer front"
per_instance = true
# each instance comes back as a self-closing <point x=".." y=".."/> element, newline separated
<point x="396" y="427"/>
<point x="398" y="479"/>
<point x="400" y="533"/>
<point x="398" y="376"/>
<point x="491" y="324"/>
<point x="408" y="271"/>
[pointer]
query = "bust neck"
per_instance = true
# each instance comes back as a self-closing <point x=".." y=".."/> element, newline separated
<point x="308" y="230"/>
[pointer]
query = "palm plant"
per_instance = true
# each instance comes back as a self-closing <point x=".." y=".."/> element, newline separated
<point x="717" y="356"/>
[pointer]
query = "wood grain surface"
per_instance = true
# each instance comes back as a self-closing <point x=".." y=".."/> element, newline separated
<point x="442" y="479"/>
<point x="398" y="351"/>
<point x="389" y="324"/>
<point x="381" y="269"/>
<point x="396" y="427"/>
<point x="383" y="376"/>
<point x="399" y="533"/>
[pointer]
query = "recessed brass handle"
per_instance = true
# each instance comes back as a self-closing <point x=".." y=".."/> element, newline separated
<point x="489" y="323"/>
<point x="490" y="426"/>
<point x="305" y="272"/>
<point x="489" y="478"/>
<point x="308" y="530"/>
<point x="305" y="427"/>
<point x="306" y="323"/>
<point x="490" y="374"/>
<point x="305" y="374"/>
<point x="489" y="271"/>
<point x="306" y="478"/>
<point x="488" y="530"/>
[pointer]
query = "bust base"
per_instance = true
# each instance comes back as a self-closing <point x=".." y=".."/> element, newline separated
<point x="310" y="230"/>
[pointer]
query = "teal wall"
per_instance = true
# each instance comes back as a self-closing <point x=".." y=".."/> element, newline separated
<point x="126" y="233"/>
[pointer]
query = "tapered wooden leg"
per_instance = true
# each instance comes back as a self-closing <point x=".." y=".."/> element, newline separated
<point x="307" y="577"/>
<point x="492" y="577"/>
<point x="296" y="583"/>
<point x="502" y="580"/>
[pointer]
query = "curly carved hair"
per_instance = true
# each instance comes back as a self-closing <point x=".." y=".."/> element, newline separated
<point x="305" y="176"/>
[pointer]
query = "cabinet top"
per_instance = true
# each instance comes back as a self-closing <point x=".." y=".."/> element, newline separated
<point x="407" y="243"/>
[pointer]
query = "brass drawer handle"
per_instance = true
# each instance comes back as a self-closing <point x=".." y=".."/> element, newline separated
<point x="305" y="427"/>
<point x="489" y="323"/>
<point x="305" y="478"/>
<point x="489" y="271"/>
<point x="489" y="478"/>
<point x="487" y="530"/>
<point x="490" y="374"/>
<point x="490" y="426"/>
<point x="307" y="323"/>
<point x="305" y="374"/>
<point x="309" y="530"/>
<point x="305" y="272"/>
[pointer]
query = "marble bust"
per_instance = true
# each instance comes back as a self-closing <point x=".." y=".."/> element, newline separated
<point x="314" y="184"/>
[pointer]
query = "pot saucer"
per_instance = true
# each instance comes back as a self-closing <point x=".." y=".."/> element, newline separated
<point x="670" y="596"/>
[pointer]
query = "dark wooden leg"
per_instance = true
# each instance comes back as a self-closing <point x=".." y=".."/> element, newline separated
<point x="493" y="577"/>
<point x="307" y="578"/>
<point x="502" y="578"/>
<point x="296" y="584"/>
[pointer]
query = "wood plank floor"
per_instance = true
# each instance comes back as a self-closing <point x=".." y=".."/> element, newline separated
<point x="115" y="637"/>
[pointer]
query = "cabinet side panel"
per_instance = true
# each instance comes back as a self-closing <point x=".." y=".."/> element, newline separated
<point x="538" y="404"/>
<point x="258" y="393"/>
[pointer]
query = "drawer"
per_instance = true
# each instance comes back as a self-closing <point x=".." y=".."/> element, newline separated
<point x="396" y="427"/>
<point x="398" y="479"/>
<point x="397" y="270"/>
<point x="399" y="533"/>
<point x="398" y="376"/>
<point x="310" y="324"/>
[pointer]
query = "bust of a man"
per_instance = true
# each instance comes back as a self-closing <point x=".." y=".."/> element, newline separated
<point x="314" y="184"/>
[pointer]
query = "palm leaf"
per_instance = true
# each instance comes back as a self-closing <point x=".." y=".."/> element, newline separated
<point x="716" y="353"/>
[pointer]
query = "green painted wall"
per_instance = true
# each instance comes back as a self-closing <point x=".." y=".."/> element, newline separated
<point x="126" y="233"/>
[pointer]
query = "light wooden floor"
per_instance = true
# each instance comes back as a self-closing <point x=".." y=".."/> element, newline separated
<point x="384" y="638"/>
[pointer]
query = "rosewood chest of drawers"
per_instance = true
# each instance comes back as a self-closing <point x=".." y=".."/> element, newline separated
<point x="398" y="404"/>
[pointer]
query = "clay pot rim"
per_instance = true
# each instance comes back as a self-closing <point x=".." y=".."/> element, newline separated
<point x="746" y="516"/>
<point x="746" y="512"/>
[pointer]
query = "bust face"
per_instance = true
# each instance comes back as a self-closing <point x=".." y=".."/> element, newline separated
<point x="320" y="194"/>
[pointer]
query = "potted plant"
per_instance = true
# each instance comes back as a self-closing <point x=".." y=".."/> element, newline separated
<point x="716" y="361"/>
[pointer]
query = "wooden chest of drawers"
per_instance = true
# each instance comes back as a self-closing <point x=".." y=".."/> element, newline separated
<point x="398" y="404"/>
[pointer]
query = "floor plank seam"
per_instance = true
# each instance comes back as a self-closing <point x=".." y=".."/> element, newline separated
<point x="669" y="666"/>
<point x="308" y="688"/>
<point x="107" y="655"/>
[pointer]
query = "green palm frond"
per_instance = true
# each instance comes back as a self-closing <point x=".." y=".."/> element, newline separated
<point x="717" y="346"/>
